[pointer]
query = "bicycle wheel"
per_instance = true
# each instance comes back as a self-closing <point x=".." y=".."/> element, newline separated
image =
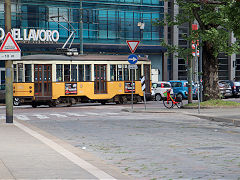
<point x="179" y="104"/>
<point x="168" y="104"/>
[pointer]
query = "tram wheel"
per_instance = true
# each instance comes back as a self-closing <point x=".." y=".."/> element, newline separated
<point x="34" y="104"/>
<point x="103" y="102"/>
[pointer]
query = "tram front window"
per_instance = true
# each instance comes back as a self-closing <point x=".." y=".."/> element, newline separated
<point x="20" y="72"/>
<point x="81" y="72"/>
<point x="74" y="72"/>
<point x="28" y="73"/>
<point x="119" y="72"/>
<point x="66" y="72"/>
<point x="113" y="72"/>
<point x="59" y="72"/>
<point x="88" y="72"/>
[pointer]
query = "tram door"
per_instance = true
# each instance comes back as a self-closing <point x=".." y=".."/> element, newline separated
<point x="43" y="81"/>
<point x="100" y="81"/>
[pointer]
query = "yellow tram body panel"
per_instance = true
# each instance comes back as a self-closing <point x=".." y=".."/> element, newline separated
<point x="87" y="89"/>
<point x="23" y="89"/>
<point x="51" y="79"/>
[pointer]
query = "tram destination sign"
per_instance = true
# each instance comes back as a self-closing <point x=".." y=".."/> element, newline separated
<point x="9" y="49"/>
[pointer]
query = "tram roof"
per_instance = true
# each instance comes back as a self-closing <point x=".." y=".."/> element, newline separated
<point x="89" y="57"/>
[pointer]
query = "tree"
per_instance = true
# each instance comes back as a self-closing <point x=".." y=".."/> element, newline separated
<point x="233" y="13"/>
<point x="214" y="30"/>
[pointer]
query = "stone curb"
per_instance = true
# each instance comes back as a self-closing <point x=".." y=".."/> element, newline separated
<point x="235" y="122"/>
<point x="210" y="107"/>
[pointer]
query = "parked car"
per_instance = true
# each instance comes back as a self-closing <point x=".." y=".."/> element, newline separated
<point x="225" y="89"/>
<point x="180" y="89"/>
<point x="159" y="88"/>
<point x="235" y="86"/>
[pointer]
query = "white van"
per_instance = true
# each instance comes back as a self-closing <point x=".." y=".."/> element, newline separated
<point x="159" y="88"/>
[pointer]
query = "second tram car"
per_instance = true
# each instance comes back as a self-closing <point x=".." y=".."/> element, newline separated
<point x="56" y="79"/>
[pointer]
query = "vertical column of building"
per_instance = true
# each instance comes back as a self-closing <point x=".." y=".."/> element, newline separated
<point x="232" y="61"/>
<point x="165" y="56"/>
<point x="175" y="42"/>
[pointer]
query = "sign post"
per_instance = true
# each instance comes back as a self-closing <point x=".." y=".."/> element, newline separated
<point x="143" y="89"/>
<point x="195" y="45"/>
<point x="9" y="51"/>
<point x="132" y="59"/>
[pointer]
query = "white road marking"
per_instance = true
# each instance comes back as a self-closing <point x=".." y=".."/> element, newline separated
<point x="75" y="114"/>
<point x="92" y="114"/>
<point x="112" y="114"/>
<point x="22" y="117"/>
<point x="69" y="155"/>
<point x="59" y="115"/>
<point x="40" y="116"/>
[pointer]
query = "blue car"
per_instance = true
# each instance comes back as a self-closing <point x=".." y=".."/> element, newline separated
<point x="180" y="89"/>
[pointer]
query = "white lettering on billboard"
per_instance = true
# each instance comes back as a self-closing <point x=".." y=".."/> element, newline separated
<point x="32" y="35"/>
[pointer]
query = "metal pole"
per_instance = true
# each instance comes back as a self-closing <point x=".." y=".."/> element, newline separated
<point x="132" y="88"/>
<point x="145" y="103"/>
<point x="189" y="69"/>
<point x="200" y="70"/>
<point x="8" y="66"/>
<point x="81" y="28"/>
<point x="198" y="88"/>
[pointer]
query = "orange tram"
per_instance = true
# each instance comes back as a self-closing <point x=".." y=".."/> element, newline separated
<point x="60" y="79"/>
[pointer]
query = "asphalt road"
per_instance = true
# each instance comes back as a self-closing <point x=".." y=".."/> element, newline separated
<point x="144" y="145"/>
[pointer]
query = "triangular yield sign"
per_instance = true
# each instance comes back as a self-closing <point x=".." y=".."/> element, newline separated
<point x="133" y="45"/>
<point x="9" y="44"/>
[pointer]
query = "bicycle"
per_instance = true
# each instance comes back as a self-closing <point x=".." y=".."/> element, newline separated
<point x="170" y="102"/>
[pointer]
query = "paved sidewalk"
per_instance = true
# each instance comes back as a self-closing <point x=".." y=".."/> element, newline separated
<point x="228" y="115"/>
<point x="29" y="153"/>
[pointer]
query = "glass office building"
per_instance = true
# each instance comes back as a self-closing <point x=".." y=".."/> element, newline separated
<point x="107" y="24"/>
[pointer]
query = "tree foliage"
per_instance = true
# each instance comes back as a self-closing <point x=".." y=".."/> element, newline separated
<point x="216" y="20"/>
<point x="233" y="15"/>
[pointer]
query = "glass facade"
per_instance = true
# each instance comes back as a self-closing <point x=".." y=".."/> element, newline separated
<point x="104" y="21"/>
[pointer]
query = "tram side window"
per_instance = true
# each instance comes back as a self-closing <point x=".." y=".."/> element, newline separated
<point x="20" y="72"/>
<point x="88" y="72"/>
<point x="80" y="72"/>
<point x="138" y="72"/>
<point x="113" y="72"/>
<point x="15" y="72"/>
<point x="66" y="72"/>
<point x="126" y="73"/>
<point x="74" y="72"/>
<point x="59" y="73"/>
<point x="119" y="72"/>
<point x="28" y="73"/>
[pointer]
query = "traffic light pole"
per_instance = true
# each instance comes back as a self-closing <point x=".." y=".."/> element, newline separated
<point x="189" y="69"/>
<point x="8" y="66"/>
